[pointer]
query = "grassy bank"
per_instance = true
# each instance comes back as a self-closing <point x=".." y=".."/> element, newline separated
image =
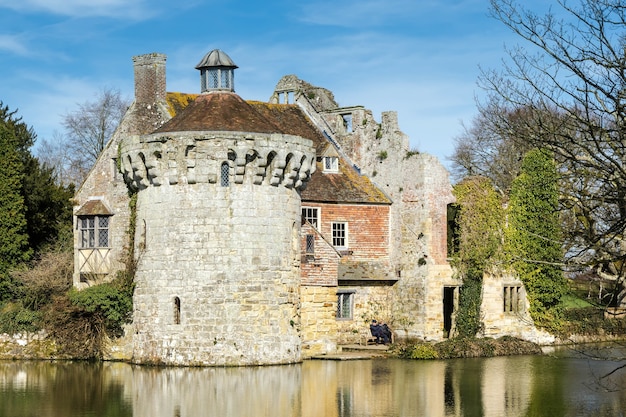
<point x="465" y="348"/>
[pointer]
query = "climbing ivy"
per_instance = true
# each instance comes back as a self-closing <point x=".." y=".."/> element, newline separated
<point x="534" y="236"/>
<point x="479" y="224"/>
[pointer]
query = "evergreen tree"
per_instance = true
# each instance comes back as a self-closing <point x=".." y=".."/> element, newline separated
<point x="14" y="249"/>
<point x="534" y="235"/>
<point x="48" y="205"/>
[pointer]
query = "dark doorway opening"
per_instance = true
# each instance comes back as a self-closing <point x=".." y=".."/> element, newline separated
<point x="449" y="302"/>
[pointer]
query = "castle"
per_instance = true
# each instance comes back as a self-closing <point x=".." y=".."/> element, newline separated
<point x="270" y="232"/>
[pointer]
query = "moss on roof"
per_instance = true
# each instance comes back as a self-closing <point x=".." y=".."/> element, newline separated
<point x="227" y="111"/>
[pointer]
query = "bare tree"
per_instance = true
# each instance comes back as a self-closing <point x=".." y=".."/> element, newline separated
<point x="88" y="130"/>
<point x="571" y="81"/>
<point x="485" y="149"/>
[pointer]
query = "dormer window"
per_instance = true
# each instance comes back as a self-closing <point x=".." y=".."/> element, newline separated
<point x="217" y="72"/>
<point x="331" y="164"/>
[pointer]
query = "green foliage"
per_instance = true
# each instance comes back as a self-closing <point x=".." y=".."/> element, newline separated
<point x="468" y="319"/>
<point x="109" y="302"/>
<point x="467" y="347"/>
<point x="534" y="237"/>
<point x="480" y="222"/>
<point x="424" y="351"/>
<point x="591" y="321"/>
<point x="14" y="250"/>
<point x="15" y="318"/>
<point x="34" y="211"/>
<point x="48" y="205"/>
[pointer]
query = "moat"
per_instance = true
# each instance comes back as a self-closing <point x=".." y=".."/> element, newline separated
<point x="563" y="383"/>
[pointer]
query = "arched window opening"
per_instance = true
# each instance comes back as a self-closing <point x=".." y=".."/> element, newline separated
<point x="225" y="174"/>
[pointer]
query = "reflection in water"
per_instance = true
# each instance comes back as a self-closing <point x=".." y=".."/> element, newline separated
<point x="509" y="386"/>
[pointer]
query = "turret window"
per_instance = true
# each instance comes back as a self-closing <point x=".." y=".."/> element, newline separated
<point x="225" y="175"/>
<point x="216" y="79"/>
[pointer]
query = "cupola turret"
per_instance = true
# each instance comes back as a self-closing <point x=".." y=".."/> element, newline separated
<point x="217" y="72"/>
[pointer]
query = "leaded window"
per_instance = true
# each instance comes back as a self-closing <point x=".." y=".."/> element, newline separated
<point x="94" y="231"/>
<point x="344" y="304"/>
<point x="225" y="175"/>
<point x="331" y="164"/>
<point x="310" y="244"/>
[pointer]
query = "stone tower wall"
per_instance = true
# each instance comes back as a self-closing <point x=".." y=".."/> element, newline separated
<point x="218" y="276"/>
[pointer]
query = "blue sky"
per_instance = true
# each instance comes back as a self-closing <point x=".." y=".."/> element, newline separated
<point x="420" y="58"/>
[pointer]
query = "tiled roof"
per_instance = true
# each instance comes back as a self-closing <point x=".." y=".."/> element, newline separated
<point x="93" y="208"/>
<point x="226" y="111"/>
<point x="219" y="111"/>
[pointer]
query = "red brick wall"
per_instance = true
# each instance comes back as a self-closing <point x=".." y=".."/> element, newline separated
<point x="367" y="239"/>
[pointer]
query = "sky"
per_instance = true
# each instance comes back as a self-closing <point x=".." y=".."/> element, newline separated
<point x="420" y="58"/>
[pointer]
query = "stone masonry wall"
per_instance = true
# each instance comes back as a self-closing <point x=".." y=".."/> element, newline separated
<point x="218" y="276"/>
<point x="318" y="306"/>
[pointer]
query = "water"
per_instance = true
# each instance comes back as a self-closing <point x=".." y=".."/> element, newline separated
<point x="507" y="386"/>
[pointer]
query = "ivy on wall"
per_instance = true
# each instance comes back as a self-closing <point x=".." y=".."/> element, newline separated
<point x="479" y="225"/>
<point x="534" y="236"/>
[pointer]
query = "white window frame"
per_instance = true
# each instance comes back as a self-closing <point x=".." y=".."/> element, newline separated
<point x="330" y="164"/>
<point x="339" y="232"/>
<point x="306" y="217"/>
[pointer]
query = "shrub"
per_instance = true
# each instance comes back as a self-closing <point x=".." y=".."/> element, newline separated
<point x="14" y="318"/>
<point x="424" y="351"/>
<point x="108" y="302"/>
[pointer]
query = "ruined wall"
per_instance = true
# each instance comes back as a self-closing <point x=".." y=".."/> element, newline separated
<point x="510" y="317"/>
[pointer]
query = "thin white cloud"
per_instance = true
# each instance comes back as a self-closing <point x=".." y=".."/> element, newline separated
<point x="12" y="44"/>
<point x="132" y="9"/>
<point x="363" y="13"/>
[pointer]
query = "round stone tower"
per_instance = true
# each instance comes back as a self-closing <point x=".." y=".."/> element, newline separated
<point x="216" y="234"/>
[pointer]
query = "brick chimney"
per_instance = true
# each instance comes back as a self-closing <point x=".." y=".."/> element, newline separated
<point x="149" y="78"/>
<point x="150" y="108"/>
